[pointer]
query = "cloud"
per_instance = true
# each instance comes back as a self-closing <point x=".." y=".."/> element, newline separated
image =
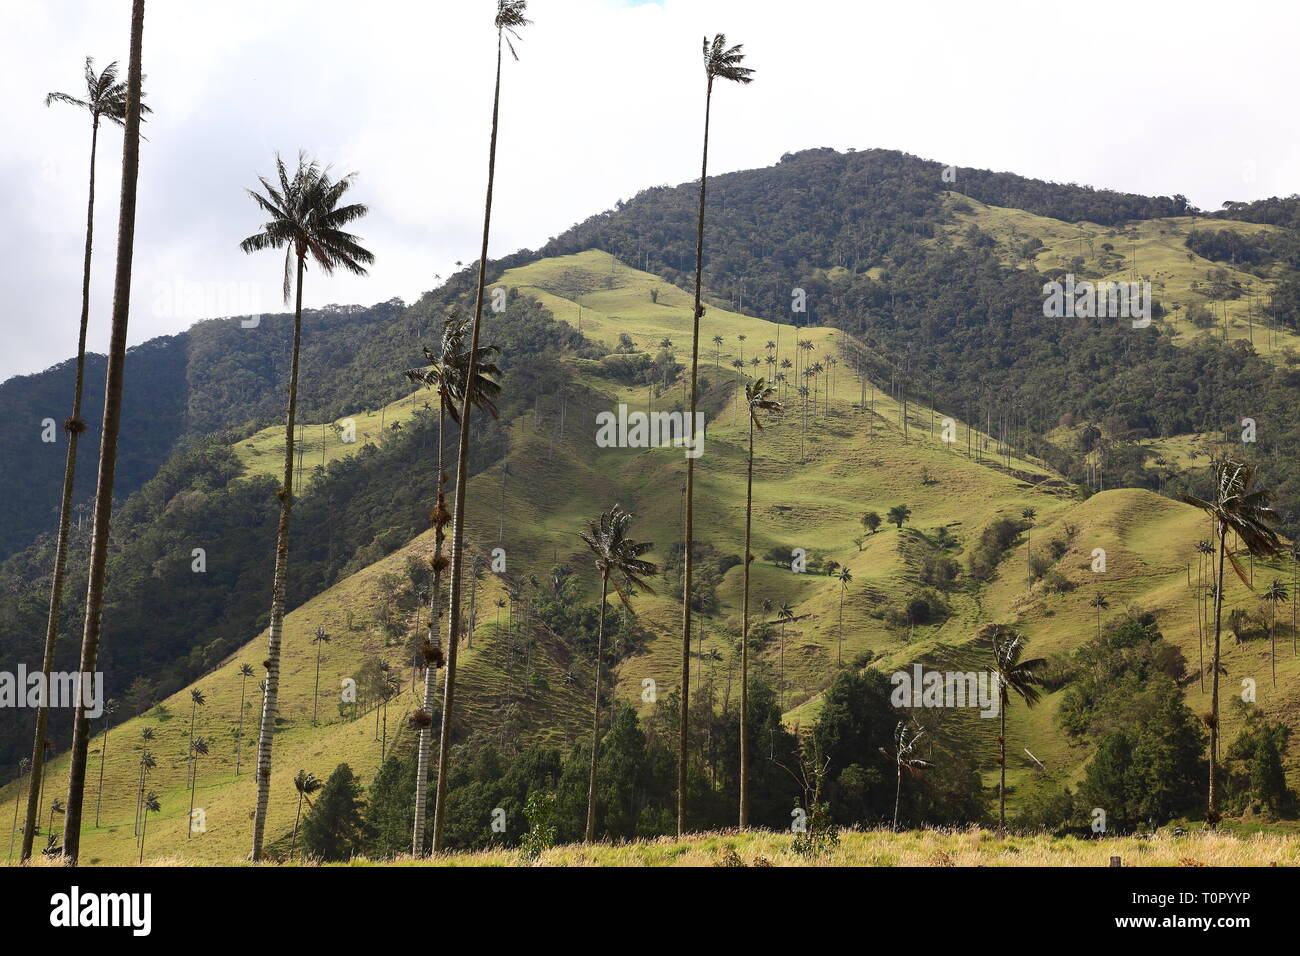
<point x="605" y="100"/>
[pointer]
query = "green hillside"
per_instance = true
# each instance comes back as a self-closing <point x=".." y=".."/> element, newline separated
<point x="816" y="473"/>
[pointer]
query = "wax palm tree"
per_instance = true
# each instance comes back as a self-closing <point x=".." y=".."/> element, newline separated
<point x="786" y="615"/>
<point x="1294" y="554"/>
<point x="148" y="805"/>
<point x="1100" y="603"/>
<point x="618" y="559"/>
<point x="1029" y="514"/>
<point x="900" y="755"/>
<point x="23" y="764"/>
<point x="1013" y="675"/>
<point x="445" y="373"/>
<point x="97" y="563"/>
<point x="760" y="396"/>
<point x="306" y="784"/>
<point x="105" y="99"/>
<point x="110" y="708"/>
<point x="717" y="351"/>
<point x="197" y="700"/>
<point x="307" y="221"/>
<point x="845" y="577"/>
<point x="1205" y="555"/>
<point x="198" y="748"/>
<point x="509" y="19"/>
<point x="245" y="672"/>
<point x="56" y="806"/>
<point x="1275" y="594"/>
<point x="1240" y="509"/>
<point x="147" y="763"/>
<point x="320" y="638"/>
<point x="720" y="63"/>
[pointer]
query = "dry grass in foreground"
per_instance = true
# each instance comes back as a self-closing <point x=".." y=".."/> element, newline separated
<point x="913" y="848"/>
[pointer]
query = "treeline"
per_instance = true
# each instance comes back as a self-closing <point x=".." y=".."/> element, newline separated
<point x="500" y="793"/>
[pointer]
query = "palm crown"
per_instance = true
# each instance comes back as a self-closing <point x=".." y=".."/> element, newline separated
<point x="1013" y="674"/>
<point x="618" y="557"/>
<point x="447" y="367"/>
<point x="105" y="95"/>
<point x="509" y="19"/>
<point x="758" y="397"/>
<point x="1241" y="510"/>
<point x="307" y="221"/>
<point x="723" y="62"/>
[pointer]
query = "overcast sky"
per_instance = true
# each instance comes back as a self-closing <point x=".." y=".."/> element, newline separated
<point x="1197" y="98"/>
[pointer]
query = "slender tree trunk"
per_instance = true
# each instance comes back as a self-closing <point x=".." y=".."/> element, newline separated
<point x="744" y="638"/>
<point x="239" y="734"/>
<point x="1002" y="767"/>
<point x="1212" y="813"/>
<point x="898" y="794"/>
<point x="425" y="748"/>
<point x="595" y="715"/>
<point x="143" y="827"/>
<point x="688" y="556"/>
<point x="271" y="695"/>
<point x="103" y="756"/>
<point x="462" y="479"/>
<point x="13" y="833"/>
<point x="108" y="438"/>
<point x="315" y="694"/>
<point x="73" y="427"/>
<point x="293" y="841"/>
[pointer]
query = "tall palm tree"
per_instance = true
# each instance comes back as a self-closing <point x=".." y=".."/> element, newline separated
<point x="1205" y="554"/>
<point x="1295" y="591"/>
<point x="97" y="564"/>
<point x="306" y="784"/>
<point x="446" y="374"/>
<point x="720" y="63"/>
<point x="717" y="351"/>
<point x="760" y="396"/>
<point x="509" y="20"/>
<point x="148" y="804"/>
<point x="105" y="99"/>
<point x="901" y="757"/>
<point x="23" y="764"/>
<point x="197" y="700"/>
<point x="1240" y="509"/>
<point x="306" y="221"/>
<point x="320" y="638"/>
<point x="147" y="763"/>
<point x="1017" y="676"/>
<point x="1275" y="594"/>
<point x="845" y="577"/>
<point x="1029" y="514"/>
<point x="198" y="748"/>
<point x="786" y="614"/>
<point x="618" y="559"/>
<point x="110" y="708"/>
<point x="1100" y="603"/>
<point x="245" y="672"/>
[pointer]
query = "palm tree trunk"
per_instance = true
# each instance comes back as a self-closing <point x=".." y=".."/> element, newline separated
<point x="103" y="756"/>
<point x="898" y="794"/>
<point x="239" y="734"/>
<point x="425" y="748"/>
<point x="73" y="427"/>
<point x="1211" y="813"/>
<point x="688" y="557"/>
<point x="595" y="715"/>
<point x="271" y="694"/>
<point x="315" y="694"/>
<point x="293" y="841"/>
<point x="1002" y="767"/>
<point x="108" y="436"/>
<point x="462" y="479"/>
<point x="744" y="639"/>
<point x="12" y="833"/>
<point x="143" y="827"/>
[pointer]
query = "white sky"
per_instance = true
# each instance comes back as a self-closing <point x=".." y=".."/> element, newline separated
<point x="1188" y="97"/>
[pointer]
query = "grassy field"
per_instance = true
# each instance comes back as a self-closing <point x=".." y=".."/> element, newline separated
<point x="815" y="475"/>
